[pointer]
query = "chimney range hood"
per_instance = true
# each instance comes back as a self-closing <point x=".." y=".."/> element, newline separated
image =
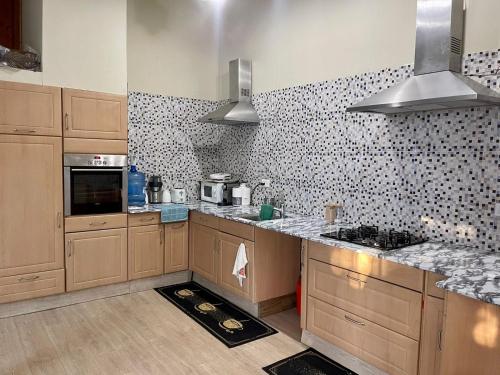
<point x="438" y="83"/>
<point x="240" y="110"/>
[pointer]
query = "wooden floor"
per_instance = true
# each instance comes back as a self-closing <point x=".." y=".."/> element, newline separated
<point x="287" y="321"/>
<point x="140" y="333"/>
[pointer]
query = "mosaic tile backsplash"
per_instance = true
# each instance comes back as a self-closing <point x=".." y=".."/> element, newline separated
<point x="434" y="173"/>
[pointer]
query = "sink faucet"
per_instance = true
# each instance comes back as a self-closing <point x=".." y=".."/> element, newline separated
<point x="280" y="207"/>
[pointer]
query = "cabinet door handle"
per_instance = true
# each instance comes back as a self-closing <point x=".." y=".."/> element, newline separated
<point x="353" y="321"/>
<point x="355" y="279"/>
<point x="28" y="278"/>
<point x="59" y="219"/>
<point x="96" y="223"/>
<point x="147" y="219"/>
<point x="440" y="340"/>
<point x="177" y="226"/>
<point x="70" y="243"/>
<point x="24" y="131"/>
<point x="66" y="121"/>
<point x="161" y="236"/>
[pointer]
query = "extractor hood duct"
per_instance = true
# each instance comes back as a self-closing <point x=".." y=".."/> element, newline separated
<point x="240" y="110"/>
<point x="438" y="83"/>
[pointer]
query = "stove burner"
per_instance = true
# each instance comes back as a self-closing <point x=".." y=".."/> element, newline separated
<point x="371" y="236"/>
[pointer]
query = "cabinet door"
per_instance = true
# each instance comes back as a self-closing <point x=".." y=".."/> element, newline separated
<point x="227" y="250"/>
<point x="96" y="258"/>
<point x="202" y="247"/>
<point x="176" y="247"/>
<point x="145" y="251"/>
<point x="31" y="230"/>
<point x="30" y="109"/>
<point x="90" y="114"/>
<point x="430" y="344"/>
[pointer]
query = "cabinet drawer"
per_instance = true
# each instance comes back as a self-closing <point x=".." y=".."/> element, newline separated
<point x="408" y="277"/>
<point x="30" y="109"/>
<point x="97" y="222"/>
<point x="430" y="285"/>
<point x="204" y="219"/>
<point x="386" y="304"/>
<point x="33" y="285"/>
<point x="149" y="218"/>
<point x="381" y="347"/>
<point x="237" y="229"/>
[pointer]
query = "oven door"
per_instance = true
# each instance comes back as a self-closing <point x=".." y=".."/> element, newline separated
<point x="89" y="191"/>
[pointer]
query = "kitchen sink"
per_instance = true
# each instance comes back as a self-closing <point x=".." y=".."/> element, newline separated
<point x="257" y="217"/>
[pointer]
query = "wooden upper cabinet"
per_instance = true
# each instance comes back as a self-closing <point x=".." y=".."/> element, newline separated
<point x="30" y="109"/>
<point x="145" y="251"/>
<point x="202" y="251"/>
<point x="31" y="227"/>
<point x="176" y="247"/>
<point x="96" y="115"/>
<point x="227" y="251"/>
<point x="96" y="258"/>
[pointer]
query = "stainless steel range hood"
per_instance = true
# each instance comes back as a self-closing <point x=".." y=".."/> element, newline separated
<point x="437" y="83"/>
<point x="240" y="110"/>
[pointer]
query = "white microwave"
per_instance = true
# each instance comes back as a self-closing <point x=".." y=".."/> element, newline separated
<point x="220" y="193"/>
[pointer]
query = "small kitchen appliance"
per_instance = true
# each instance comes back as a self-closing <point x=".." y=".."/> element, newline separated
<point x="218" y="192"/>
<point x="178" y="195"/>
<point x="371" y="236"/>
<point x="154" y="189"/>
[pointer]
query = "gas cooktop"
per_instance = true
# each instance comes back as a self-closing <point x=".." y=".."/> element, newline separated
<point x="371" y="236"/>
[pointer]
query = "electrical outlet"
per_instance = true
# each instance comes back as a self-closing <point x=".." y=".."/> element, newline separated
<point x="266" y="182"/>
<point x="497" y="210"/>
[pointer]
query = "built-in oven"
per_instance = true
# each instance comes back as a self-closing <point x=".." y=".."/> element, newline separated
<point x="95" y="184"/>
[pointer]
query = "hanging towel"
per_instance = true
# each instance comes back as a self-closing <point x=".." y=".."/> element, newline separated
<point x="239" y="270"/>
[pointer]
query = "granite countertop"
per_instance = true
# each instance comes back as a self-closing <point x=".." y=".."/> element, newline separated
<point x="473" y="273"/>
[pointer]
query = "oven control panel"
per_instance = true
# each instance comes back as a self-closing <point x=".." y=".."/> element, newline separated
<point x="95" y="161"/>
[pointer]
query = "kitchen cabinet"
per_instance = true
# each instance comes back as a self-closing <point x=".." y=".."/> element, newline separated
<point x="176" y="247"/>
<point x="97" y="115"/>
<point x="145" y="251"/>
<point x="226" y="253"/>
<point x="31" y="227"/>
<point x="202" y="251"/>
<point x="471" y="337"/>
<point x="385" y="349"/>
<point x="431" y="341"/>
<point x="30" y="109"/>
<point x="33" y="285"/>
<point x="96" y="258"/>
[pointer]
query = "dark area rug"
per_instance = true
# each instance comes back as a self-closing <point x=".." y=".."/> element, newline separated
<point x="307" y="362"/>
<point x="221" y="318"/>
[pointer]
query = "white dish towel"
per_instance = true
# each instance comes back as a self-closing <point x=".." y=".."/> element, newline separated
<point x="239" y="270"/>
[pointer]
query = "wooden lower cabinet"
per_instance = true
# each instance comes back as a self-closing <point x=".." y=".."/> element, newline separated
<point x="227" y="251"/>
<point x="176" y="247"/>
<point x="31" y="205"/>
<point x="471" y="338"/>
<point x="16" y="288"/>
<point x="145" y="251"/>
<point x="96" y="258"/>
<point x="202" y="251"/>
<point x="388" y="305"/>
<point x="431" y="340"/>
<point x="385" y="349"/>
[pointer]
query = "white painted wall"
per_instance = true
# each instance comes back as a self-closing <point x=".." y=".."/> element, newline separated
<point x="84" y="46"/>
<point x="172" y="47"/>
<point x="293" y="42"/>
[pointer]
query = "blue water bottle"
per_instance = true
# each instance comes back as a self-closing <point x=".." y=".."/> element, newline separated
<point x="136" y="184"/>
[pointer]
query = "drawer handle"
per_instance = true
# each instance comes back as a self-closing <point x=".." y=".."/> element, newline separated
<point x="354" y="321"/>
<point x="28" y="278"/>
<point x="177" y="226"/>
<point x="24" y="131"/>
<point x="148" y="219"/>
<point x="355" y="279"/>
<point x="96" y="223"/>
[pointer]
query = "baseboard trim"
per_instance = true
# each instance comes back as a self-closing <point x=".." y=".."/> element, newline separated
<point x="86" y="295"/>
<point x="339" y="355"/>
